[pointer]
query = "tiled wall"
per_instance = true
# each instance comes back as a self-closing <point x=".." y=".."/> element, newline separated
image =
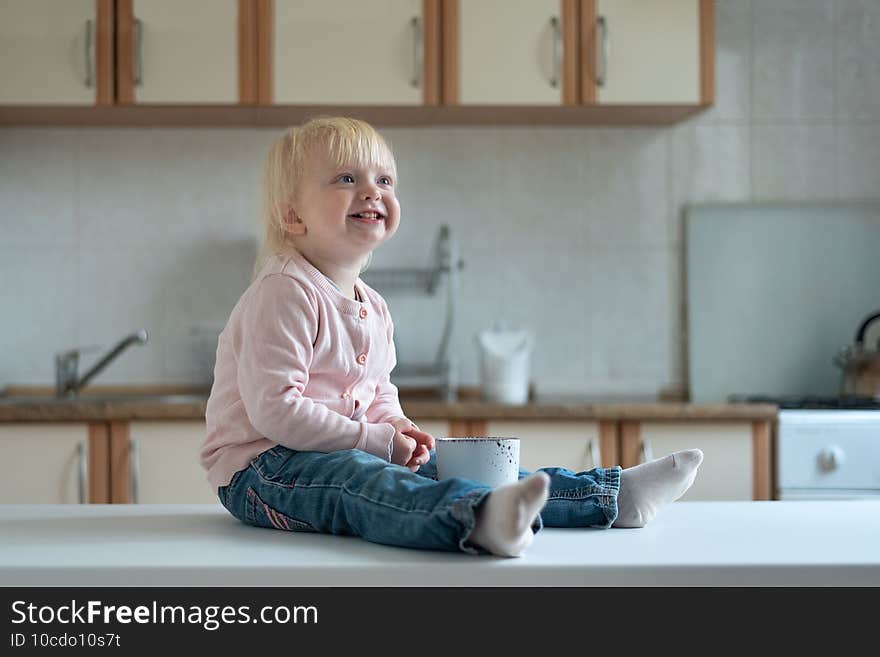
<point x="574" y="233"/>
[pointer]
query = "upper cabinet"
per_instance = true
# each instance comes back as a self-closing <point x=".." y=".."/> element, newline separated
<point x="498" y="52"/>
<point x="183" y="52"/>
<point x="578" y="52"/>
<point x="56" y="52"/>
<point x="644" y="52"/>
<point x="349" y="52"/>
<point x="277" y="62"/>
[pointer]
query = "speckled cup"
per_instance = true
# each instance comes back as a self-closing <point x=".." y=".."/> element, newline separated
<point x="489" y="460"/>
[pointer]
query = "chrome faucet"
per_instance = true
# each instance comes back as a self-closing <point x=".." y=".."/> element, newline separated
<point x="67" y="383"/>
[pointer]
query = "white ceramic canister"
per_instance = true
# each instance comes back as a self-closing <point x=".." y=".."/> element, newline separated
<point x="489" y="460"/>
<point x="505" y="362"/>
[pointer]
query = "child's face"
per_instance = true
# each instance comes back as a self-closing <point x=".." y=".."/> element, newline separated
<point x="344" y="211"/>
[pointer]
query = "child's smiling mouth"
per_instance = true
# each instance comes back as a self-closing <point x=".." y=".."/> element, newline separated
<point x="369" y="217"/>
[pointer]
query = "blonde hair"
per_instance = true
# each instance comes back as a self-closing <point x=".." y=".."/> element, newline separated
<point x="346" y="140"/>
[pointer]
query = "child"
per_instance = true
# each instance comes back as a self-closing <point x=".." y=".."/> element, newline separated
<point x="305" y="430"/>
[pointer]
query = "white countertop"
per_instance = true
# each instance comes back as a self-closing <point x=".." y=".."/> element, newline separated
<point x="691" y="544"/>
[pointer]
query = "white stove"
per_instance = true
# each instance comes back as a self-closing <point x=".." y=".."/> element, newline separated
<point x="828" y="454"/>
<point x="827" y="447"/>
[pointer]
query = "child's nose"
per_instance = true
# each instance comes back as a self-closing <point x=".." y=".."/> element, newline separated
<point x="371" y="192"/>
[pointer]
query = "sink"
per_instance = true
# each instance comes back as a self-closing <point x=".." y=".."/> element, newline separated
<point x="103" y="398"/>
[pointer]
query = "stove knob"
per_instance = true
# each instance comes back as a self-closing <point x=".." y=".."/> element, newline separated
<point x="831" y="458"/>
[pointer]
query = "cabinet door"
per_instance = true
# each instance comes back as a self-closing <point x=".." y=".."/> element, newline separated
<point x="507" y="52"/>
<point x="349" y="52"/>
<point x="573" y="445"/>
<point x="48" y="52"/>
<point x="163" y="463"/>
<point x="44" y="463"/>
<point x="646" y="52"/>
<point x="178" y="52"/>
<point x="437" y="428"/>
<point x="727" y="469"/>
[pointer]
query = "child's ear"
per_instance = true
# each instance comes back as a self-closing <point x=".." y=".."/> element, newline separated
<point x="292" y="222"/>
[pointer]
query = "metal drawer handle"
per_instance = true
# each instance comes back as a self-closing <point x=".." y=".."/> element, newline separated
<point x="602" y="72"/>
<point x="90" y="52"/>
<point x="134" y="462"/>
<point x="645" y="452"/>
<point x="138" y="52"/>
<point x="418" y="51"/>
<point x="557" y="50"/>
<point x="83" y="471"/>
<point x="595" y="453"/>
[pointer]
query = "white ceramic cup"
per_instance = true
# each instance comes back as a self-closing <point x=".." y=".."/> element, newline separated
<point x="488" y="460"/>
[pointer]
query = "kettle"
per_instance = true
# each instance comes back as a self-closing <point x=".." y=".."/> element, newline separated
<point x="860" y="365"/>
<point x="505" y="357"/>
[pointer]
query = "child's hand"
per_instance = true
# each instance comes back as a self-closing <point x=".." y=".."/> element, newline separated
<point x="424" y="443"/>
<point x="402" y="448"/>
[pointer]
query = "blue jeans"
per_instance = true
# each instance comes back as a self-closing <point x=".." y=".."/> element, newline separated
<point x="353" y="492"/>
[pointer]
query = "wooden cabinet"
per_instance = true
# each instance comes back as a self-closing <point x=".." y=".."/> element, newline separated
<point x="156" y="462"/>
<point x="56" y="52"/>
<point x="437" y="428"/>
<point x="498" y="52"/>
<point x="737" y="455"/>
<point x="578" y="52"/>
<point x="574" y="445"/>
<point x="198" y="51"/>
<point x="653" y="53"/>
<point x="406" y="62"/>
<point x="350" y="52"/>
<point x="53" y="463"/>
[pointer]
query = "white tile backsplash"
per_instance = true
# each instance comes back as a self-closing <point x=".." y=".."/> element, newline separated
<point x="573" y="232"/>
<point x="858" y="160"/>
<point x="38" y="187"/>
<point x="793" y="161"/>
<point x="708" y="163"/>
<point x="793" y="59"/>
<point x="858" y="59"/>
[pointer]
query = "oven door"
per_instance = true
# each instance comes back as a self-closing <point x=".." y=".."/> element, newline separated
<point x="828" y="454"/>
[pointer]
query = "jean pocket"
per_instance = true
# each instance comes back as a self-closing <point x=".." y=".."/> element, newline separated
<point x="260" y="514"/>
<point x="271" y="466"/>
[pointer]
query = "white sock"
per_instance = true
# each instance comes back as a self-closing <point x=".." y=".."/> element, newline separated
<point x="647" y="487"/>
<point x="504" y="521"/>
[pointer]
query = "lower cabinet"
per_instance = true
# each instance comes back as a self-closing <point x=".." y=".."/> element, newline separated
<point x="437" y="428"/>
<point x="736" y="455"/>
<point x="53" y="463"/>
<point x="156" y="462"/>
<point x="574" y="445"/>
<point x="736" y="463"/>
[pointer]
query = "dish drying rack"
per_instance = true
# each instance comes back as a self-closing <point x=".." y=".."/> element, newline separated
<point x="441" y="374"/>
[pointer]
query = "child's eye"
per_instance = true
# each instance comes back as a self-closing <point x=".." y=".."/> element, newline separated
<point x="346" y="177"/>
<point x="385" y="180"/>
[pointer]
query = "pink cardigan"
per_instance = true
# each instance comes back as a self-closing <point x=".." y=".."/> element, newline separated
<point x="301" y="365"/>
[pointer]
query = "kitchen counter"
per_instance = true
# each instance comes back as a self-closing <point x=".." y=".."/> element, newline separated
<point x="192" y="407"/>
<point x="821" y="543"/>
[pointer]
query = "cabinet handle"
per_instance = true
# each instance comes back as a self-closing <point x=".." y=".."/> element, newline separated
<point x="134" y="463"/>
<point x="602" y="72"/>
<point x="645" y="452"/>
<point x="557" y="50"/>
<point x="90" y="52"/>
<point x="138" y="52"/>
<point x="595" y="453"/>
<point x="418" y="51"/>
<point x="82" y="457"/>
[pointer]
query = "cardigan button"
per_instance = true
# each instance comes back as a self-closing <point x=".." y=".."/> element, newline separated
<point x="363" y="313"/>
<point x="362" y="359"/>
